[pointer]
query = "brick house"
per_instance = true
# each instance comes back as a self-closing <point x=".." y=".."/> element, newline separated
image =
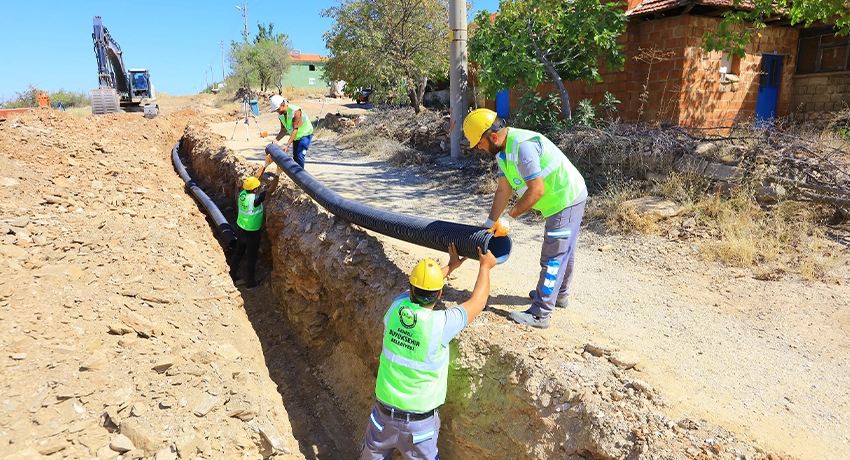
<point x="687" y="86"/>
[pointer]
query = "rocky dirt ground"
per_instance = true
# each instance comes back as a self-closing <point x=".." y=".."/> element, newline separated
<point x="123" y="335"/>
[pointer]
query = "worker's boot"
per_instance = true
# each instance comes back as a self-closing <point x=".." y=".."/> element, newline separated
<point x="561" y="302"/>
<point x="526" y="318"/>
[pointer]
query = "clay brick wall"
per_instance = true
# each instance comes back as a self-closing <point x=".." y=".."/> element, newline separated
<point x="814" y="96"/>
<point x="685" y="88"/>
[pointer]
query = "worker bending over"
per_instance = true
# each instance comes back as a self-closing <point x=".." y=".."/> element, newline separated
<point x="296" y="123"/>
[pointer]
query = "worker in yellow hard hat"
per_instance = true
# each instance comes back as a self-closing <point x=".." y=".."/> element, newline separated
<point x="545" y="180"/>
<point x="249" y="221"/>
<point x="413" y="371"/>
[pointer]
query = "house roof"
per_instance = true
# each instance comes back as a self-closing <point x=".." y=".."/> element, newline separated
<point x="304" y="57"/>
<point x="654" y="6"/>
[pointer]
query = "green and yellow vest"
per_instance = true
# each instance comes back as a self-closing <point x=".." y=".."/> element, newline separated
<point x="562" y="180"/>
<point x="249" y="218"/>
<point x="414" y="369"/>
<point x="306" y="127"/>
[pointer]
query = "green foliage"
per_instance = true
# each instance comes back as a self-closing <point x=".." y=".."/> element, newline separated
<point x="585" y="114"/>
<point x="26" y="98"/>
<point x="533" y="41"/>
<point x="737" y="28"/>
<point x="69" y="98"/>
<point x="536" y="111"/>
<point x="262" y="63"/>
<point x="392" y="46"/>
<point x="609" y="105"/>
<point x="29" y="98"/>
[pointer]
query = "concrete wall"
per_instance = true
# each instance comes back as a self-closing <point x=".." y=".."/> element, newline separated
<point x="816" y="95"/>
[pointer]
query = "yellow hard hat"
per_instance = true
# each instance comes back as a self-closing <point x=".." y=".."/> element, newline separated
<point x="427" y="275"/>
<point x="477" y="123"/>
<point x="251" y="183"/>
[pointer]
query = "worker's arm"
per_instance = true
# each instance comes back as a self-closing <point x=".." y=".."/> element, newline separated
<point x="280" y="133"/>
<point x="273" y="184"/>
<point x="296" y="123"/>
<point x="500" y="200"/>
<point x="454" y="261"/>
<point x="262" y="169"/>
<point x="535" y="191"/>
<point x="481" y="291"/>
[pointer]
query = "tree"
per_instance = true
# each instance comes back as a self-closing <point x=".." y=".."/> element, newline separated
<point x="532" y="41"/>
<point x="391" y="46"/>
<point x="264" y="62"/>
<point x="272" y="58"/>
<point x="733" y="36"/>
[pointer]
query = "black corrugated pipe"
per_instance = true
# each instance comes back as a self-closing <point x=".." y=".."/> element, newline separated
<point x="219" y="219"/>
<point x="434" y="234"/>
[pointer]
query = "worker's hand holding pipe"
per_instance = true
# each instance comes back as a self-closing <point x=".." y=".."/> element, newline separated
<point x="502" y="226"/>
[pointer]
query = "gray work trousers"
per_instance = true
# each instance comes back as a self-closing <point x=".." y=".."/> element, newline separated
<point x="413" y="439"/>
<point x="557" y="258"/>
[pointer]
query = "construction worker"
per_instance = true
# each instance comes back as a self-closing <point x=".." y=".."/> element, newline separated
<point x="296" y="123"/>
<point x="413" y="372"/>
<point x="545" y="180"/>
<point x="249" y="221"/>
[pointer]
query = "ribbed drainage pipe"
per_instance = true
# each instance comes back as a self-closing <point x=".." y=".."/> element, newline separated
<point x="434" y="234"/>
<point x="216" y="215"/>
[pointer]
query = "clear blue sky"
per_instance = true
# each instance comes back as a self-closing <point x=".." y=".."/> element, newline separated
<point x="48" y="42"/>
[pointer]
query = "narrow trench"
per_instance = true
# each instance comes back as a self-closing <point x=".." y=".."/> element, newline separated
<point x="320" y="429"/>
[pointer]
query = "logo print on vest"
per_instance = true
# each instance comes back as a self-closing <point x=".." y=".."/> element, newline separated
<point x="407" y="317"/>
<point x="517" y="181"/>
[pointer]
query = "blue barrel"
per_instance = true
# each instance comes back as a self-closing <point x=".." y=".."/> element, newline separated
<point x="503" y="98"/>
<point x="255" y="108"/>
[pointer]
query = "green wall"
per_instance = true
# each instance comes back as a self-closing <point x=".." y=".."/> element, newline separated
<point x="300" y="76"/>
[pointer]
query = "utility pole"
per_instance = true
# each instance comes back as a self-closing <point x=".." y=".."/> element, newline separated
<point x="244" y="10"/>
<point x="457" y="72"/>
<point x="212" y="75"/>
<point x="206" y="84"/>
<point x="221" y="44"/>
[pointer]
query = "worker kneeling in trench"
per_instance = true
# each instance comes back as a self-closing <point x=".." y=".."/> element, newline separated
<point x="414" y="367"/>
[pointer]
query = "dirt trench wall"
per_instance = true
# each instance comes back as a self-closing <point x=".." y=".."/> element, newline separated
<point x="533" y="400"/>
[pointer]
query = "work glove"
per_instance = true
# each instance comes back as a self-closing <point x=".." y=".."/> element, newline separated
<point x="268" y="160"/>
<point x="502" y="226"/>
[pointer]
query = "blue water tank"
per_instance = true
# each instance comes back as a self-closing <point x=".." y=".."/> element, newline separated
<point x="255" y="108"/>
<point x="503" y="98"/>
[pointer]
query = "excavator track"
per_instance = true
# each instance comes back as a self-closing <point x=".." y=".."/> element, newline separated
<point x="104" y="100"/>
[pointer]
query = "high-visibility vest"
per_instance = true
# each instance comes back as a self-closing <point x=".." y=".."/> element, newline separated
<point x="306" y="127"/>
<point x="561" y="179"/>
<point x="414" y="368"/>
<point x="250" y="217"/>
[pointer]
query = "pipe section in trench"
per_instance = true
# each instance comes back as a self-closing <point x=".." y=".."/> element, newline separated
<point x="430" y="233"/>
<point x="212" y="209"/>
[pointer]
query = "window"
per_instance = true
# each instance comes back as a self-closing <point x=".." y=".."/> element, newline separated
<point x="729" y="65"/>
<point x="312" y="81"/>
<point x="312" y="68"/>
<point x="821" y="50"/>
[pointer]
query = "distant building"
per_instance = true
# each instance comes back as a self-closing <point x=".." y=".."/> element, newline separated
<point x="306" y="72"/>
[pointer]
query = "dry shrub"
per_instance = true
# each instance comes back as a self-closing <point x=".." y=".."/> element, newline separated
<point x="609" y="206"/>
<point x="788" y="235"/>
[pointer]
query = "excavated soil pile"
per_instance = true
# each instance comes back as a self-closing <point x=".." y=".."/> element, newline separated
<point x="122" y="333"/>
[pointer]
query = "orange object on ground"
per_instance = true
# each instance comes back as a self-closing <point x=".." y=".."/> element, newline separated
<point x="264" y="134"/>
<point x="43" y="99"/>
